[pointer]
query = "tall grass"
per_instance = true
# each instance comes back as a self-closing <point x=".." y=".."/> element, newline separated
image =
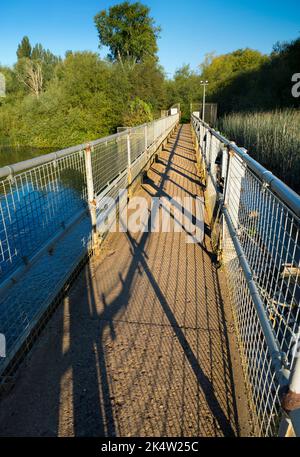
<point x="272" y="138"/>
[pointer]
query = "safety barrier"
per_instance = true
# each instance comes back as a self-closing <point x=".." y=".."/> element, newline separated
<point x="41" y="201"/>
<point x="256" y="228"/>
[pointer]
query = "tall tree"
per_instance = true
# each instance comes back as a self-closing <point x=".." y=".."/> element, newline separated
<point x="129" y="32"/>
<point x="32" y="76"/>
<point x="24" y="49"/>
<point x="46" y="59"/>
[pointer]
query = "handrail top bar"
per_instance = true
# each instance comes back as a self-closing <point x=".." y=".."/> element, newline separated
<point x="8" y="170"/>
<point x="288" y="196"/>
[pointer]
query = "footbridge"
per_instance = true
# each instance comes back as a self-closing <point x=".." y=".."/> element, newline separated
<point x="149" y="287"/>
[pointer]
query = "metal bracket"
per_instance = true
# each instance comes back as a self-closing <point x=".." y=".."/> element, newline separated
<point x="54" y="162"/>
<point x="11" y="176"/>
<point x="265" y="186"/>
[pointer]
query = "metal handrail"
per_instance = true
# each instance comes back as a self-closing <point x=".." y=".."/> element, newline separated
<point x="11" y="169"/>
<point x="287" y="195"/>
<point x="241" y="168"/>
<point x="47" y="197"/>
<point x="276" y="355"/>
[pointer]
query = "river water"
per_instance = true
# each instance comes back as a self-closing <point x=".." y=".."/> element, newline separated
<point x="13" y="154"/>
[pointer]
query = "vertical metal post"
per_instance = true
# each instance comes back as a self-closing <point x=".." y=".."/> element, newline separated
<point x="235" y="175"/>
<point x="146" y="137"/>
<point x="203" y="107"/>
<point x="146" y="142"/>
<point x="207" y="148"/>
<point x="129" y="178"/>
<point x="226" y="169"/>
<point x="224" y="164"/>
<point x="91" y="194"/>
<point x="295" y="377"/>
<point x="204" y="84"/>
<point x="227" y="178"/>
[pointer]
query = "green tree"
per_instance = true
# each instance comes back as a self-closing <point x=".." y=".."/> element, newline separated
<point x="129" y="32"/>
<point x="31" y="75"/>
<point x="222" y="69"/>
<point x="36" y="68"/>
<point x="147" y="82"/>
<point x="247" y="80"/>
<point x="12" y="85"/>
<point x="184" y="89"/>
<point x="138" y="112"/>
<point x="24" y="49"/>
<point x="46" y="59"/>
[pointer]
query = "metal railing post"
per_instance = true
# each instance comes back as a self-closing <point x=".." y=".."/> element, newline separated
<point x="209" y="152"/>
<point x="91" y="194"/>
<point x="129" y="177"/>
<point x="234" y="184"/>
<point x="227" y="177"/>
<point x="224" y="164"/>
<point x="146" y="139"/>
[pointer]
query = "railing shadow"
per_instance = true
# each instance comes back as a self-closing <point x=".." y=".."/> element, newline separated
<point x="113" y="312"/>
<point x="102" y="378"/>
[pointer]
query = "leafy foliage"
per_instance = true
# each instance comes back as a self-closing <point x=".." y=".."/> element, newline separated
<point x="138" y="113"/>
<point x="129" y="32"/>
<point x="246" y="80"/>
<point x="24" y="49"/>
<point x="185" y="89"/>
<point x="86" y="98"/>
<point x="53" y="102"/>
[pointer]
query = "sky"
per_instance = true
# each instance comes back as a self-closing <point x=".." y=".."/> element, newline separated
<point x="190" y="28"/>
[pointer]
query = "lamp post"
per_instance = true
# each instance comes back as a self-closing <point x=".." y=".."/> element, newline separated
<point x="204" y="84"/>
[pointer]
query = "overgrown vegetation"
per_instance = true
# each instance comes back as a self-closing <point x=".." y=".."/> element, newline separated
<point x="243" y="80"/>
<point x="272" y="138"/>
<point x="53" y="102"/>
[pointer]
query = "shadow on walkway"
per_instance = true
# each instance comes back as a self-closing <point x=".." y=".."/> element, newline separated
<point x="140" y="347"/>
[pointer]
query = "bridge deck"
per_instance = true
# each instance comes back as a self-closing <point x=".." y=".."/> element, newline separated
<point x="143" y="344"/>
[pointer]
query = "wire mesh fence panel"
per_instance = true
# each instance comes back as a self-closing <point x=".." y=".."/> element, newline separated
<point x="269" y="234"/>
<point x="259" y="374"/>
<point x="37" y="203"/>
<point x="150" y="134"/>
<point x="109" y="159"/>
<point x="46" y="201"/>
<point x="137" y="142"/>
<point x="210" y="111"/>
<point x="266" y="230"/>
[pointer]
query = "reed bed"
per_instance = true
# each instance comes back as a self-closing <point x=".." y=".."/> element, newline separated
<point x="272" y="138"/>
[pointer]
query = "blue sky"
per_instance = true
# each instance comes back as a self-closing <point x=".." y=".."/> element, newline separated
<point x="190" y="28"/>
